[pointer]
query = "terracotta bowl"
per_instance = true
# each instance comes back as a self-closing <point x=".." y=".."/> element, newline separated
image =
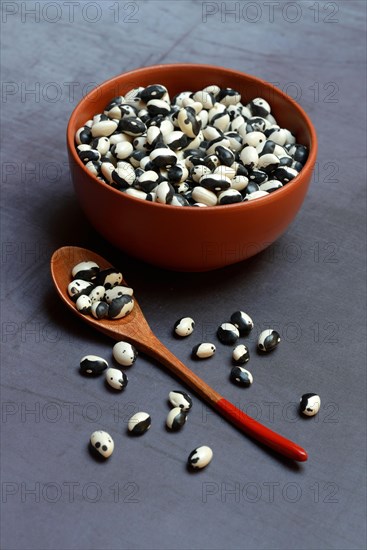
<point x="189" y="238"/>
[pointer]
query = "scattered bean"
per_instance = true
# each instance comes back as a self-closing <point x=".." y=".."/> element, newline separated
<point x="139" y="423"/>
<point x="203" y="351"/>
<point x="310" y="404"/>
<point x="184" y="326"/>
<point x="268" y="340"/>
<point x="200" y="457"/>
<point x="180" y="399"/>
<point x="241" y="376"/>
<point x="240" y="354"/>
<point x="102" y="442"/>
<point x="228" y="333"/>
<point x="92" y="365"/>
<point x="124" y="353"/>
<point x="243" y="322"/>
<point x="116" y="379"/>
<point x="176" y="419"/>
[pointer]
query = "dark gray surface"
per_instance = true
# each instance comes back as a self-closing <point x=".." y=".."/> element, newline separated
<point x="309" y="285"/>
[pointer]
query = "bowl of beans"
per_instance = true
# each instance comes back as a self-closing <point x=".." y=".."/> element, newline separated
<point x="190" y="167"/>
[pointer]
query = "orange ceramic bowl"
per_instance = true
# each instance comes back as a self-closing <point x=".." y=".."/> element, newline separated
<point x="189" y="238"/>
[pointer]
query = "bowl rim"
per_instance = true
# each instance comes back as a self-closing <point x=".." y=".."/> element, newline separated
<point x="254" y="203"/>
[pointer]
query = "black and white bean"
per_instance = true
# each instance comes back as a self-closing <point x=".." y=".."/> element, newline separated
<point x="270" y="186"/>
<point x="139" y="423"/>
<point x="84" y="304"/>
<point x="268" y="340"/>
<point x="163" y="157"/>
<point x="153" y="91"/>
<point x="176" y="419"/>
<point x="230" y="196"/>
<point x="109" y="278"/>
<point x="310" y="404"/>
<point x="101" y="144"/>
<point x="228" y="333"/>
<point x="260" y="107"/>
<point x="184" y="326"/>
<point x="103" y="443"/>
<point x="255" y="195"/>
<point x="99" y="310"/>
<point x="78" y="287"/>
<point x="249" y="157"/>
<point x="180" y="399"/>
<point x="239" y="183"/>
<point x="240" y="354"/>
<point x="165" y="192"/>
<point x="97" y="294"/>
<point x="203" y="350"/>
<point x="124" y="353"/>
<point x="85" y="270"/>
<point x="179" y="200"/>
<point x="83" y="135"/>
<point x="200" y="457"/>
<point x="242" y="322"/>
<point x="94" y="166"/>
<point x="189" y="124"/>
<point x="116" y="379"/>
<point x="204" y="196"/>
<point x="215" y="182"/>
<point x="132" y="126"/>
<point x="241" y="377"/>
<point x="120" y="307"/>
<point x="104" y="128"/>
<point x="92" y="365"/>
<point x="116" y="292"/>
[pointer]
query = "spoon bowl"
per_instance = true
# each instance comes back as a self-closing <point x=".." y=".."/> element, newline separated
<point x="135" y="329"/>
<point x="131" y="328"/>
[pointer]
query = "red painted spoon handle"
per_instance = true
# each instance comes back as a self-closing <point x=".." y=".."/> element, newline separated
<point x="259" y="431"/>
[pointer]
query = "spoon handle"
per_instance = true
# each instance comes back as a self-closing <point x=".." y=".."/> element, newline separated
<point x="153" y="347"/>
<point x="258" y="431"/>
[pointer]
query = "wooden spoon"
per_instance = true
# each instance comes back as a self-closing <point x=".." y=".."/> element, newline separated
<point x="135" y="329"/>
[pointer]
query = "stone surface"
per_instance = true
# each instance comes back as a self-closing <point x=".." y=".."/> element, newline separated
<point x="318" y="268"/>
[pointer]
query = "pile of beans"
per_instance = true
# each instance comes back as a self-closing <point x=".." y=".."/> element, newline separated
<point x="202" y="148"/>
<point x="100" y="292"/>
